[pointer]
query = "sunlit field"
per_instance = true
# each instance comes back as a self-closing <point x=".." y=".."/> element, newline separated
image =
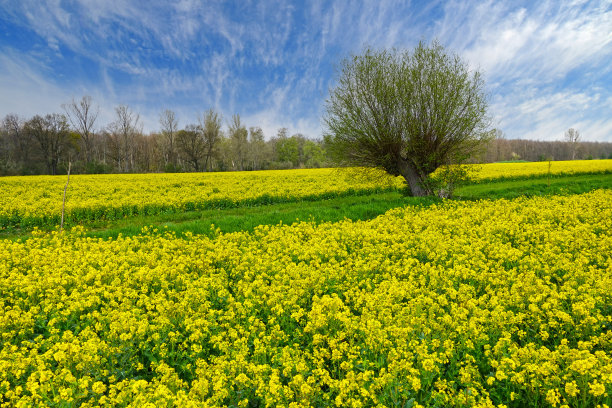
<point x="522" y="169"/>
<point x="207" y="290"/>
<point x="37" y="200"/>
<point x="489" y="303"/>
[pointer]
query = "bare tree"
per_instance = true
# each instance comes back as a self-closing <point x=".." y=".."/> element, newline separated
<point x="210" y="125"/>
<point x="572" y="137"/>
<point x="122" y="134"/>
<point x="82" y="116"/>
<point x="495" y="148"/>
<point x="145" y="153"/>
<point x="169" y="125"/>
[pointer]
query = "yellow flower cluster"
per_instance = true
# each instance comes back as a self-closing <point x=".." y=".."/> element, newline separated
<point x="479" y="304"/>
<point x="527" y="169"/>
<point x="37" y="200"/>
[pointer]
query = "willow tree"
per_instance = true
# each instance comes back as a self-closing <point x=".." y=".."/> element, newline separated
<point x="406" y="112"/>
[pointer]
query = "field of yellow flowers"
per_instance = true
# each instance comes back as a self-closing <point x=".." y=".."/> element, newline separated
<point x="37" y="200"/>
<point x="492" y="171"/>
<point x="490" y="303"/>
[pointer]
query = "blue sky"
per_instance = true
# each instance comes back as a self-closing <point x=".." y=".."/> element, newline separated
<point x="547" y="64"/>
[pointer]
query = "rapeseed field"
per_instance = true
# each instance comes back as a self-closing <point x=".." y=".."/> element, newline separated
<point x="502" y="303"/>
<point x="492" y="171"/>
<point x="37" y="200"/>
<point x="31" y="201"/>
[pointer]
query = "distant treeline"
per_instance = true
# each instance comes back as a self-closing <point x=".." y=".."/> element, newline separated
<point x="500" y="149"/>
<point x="46" y="144"/>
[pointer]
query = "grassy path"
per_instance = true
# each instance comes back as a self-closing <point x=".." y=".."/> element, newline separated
<point x="247" y="218"/>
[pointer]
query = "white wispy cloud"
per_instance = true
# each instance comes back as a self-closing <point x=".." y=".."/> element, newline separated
<point x="547" y="64"/>
<point x="537" y="61"/>
<point x="543" y="44"/>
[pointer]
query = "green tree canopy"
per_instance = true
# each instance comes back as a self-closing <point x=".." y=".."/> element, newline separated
<point x="407" y="112"/>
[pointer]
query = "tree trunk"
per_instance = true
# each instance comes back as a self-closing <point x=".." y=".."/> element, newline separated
<point x="412" y="178"/>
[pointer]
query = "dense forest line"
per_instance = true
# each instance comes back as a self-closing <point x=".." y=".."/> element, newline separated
<point x="46" y="144"/>
<point x="501" y="149"/>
